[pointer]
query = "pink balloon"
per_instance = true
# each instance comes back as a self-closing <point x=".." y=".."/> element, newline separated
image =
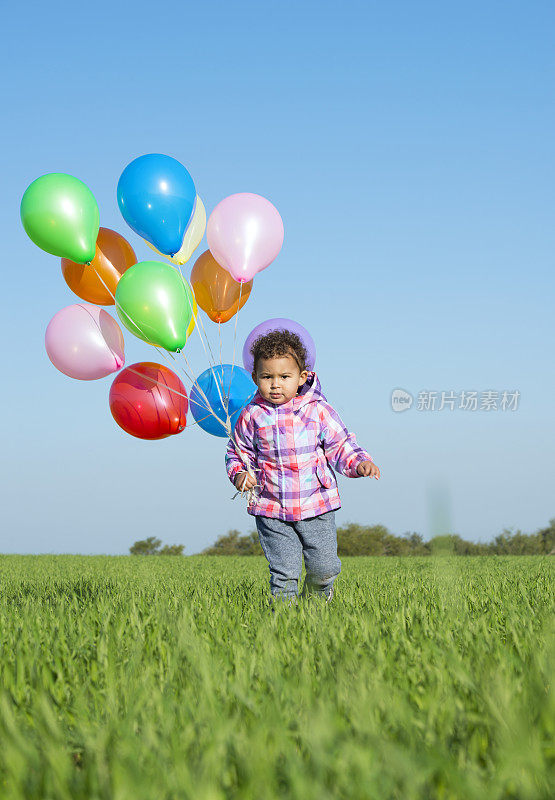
<point x="245" y="234"/>
<point x="84" y="342"/>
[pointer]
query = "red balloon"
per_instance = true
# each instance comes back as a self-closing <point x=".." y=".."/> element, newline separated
<point x="149" y="401"/>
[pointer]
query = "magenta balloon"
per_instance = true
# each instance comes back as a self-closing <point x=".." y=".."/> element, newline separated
<point x="275" y="325"/>
<point x="84" y="342"/>
<point x="245" y="234"/>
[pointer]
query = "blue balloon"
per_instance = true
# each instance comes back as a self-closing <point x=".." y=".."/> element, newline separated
<point x="156" y="196"/>
<point x="234" y="383"/>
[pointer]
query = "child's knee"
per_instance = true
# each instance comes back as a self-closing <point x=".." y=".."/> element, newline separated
<point x="322" y="577"/>
<point x="324" y="572"/>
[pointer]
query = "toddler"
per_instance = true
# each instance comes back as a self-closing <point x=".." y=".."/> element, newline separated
<point x="289" y="435"/>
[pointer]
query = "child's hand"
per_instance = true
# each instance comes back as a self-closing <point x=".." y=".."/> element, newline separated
<point x="368" y="468"/>
<point x="244" y="481"/>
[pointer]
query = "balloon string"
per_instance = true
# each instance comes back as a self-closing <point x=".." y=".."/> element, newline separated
<point x="213" y="371"/>
<point x="251" y="494"/>
<point x="170" y="389"/>
<point x="220" y="337"/>
<point x="153" y="380"/>
<point x="227" y="423"/>
<point x="212" y="363"/>
<point x="226" y="401"/>
<point x="226" y="404"/>
<point x="184" y="371"/>
<point x="236" y="319"/>
<point x="198" y="318"/>
<point x="197" y="386"/>
<point x="235" y="336"/>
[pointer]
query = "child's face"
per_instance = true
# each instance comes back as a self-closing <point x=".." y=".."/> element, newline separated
<point x="278" y="379"/>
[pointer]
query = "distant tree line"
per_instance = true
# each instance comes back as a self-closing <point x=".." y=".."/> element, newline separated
<point x="376" y="540"/>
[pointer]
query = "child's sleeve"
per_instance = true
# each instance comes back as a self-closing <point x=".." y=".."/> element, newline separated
<point x="243" y="434"/>
<point x="340" y="446"/>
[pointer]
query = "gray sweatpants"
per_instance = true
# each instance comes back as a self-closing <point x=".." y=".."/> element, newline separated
<point x="285" y="543"/>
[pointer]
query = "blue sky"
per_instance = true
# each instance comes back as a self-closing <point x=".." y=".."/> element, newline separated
<point x="409" y="149"/>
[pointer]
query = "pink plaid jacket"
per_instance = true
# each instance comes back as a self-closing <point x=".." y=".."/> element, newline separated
<point x="290" y="449"/>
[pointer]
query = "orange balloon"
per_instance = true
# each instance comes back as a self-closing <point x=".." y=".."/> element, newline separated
<point x="113" y="256"/>
<point x="216" y="291"/>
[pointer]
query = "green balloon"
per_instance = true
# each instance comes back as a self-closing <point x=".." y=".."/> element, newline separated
<point x="155" y="303"/>
<point x="60" y="215"/>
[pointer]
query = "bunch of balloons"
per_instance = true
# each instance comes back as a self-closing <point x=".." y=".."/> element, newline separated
<point x="158" y="200"/>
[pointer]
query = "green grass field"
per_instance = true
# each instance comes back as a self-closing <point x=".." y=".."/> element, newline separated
<point x="150" y="678"/>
